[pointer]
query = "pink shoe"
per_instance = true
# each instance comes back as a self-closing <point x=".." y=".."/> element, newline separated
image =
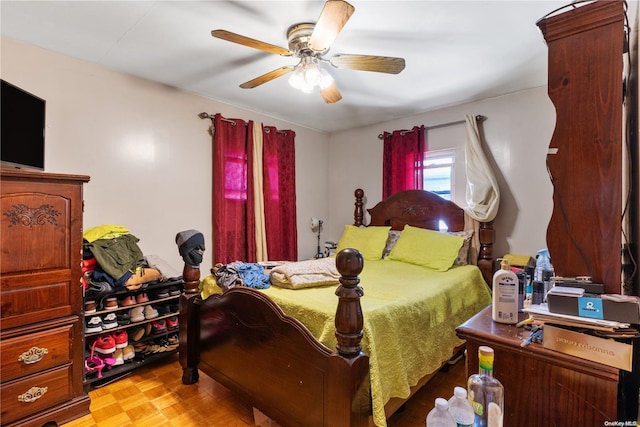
<point x="93" y="363"/>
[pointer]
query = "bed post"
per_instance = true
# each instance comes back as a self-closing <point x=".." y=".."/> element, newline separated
<point x="349" y="402"/>
<point x="485" y="253"/>
<point x="358" y="213"/>
<point x="189" y="324"/>
<point x="349" y="320"/>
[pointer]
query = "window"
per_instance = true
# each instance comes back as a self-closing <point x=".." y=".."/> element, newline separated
<point x="438" y="172"/>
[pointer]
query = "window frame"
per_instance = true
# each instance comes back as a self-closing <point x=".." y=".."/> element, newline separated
<point x="429" y="157"/>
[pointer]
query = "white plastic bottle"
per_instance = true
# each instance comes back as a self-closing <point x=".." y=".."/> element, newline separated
<point x="505" y="295"/>
<point x="440" y="416"/>
<point x="460" y="408"/>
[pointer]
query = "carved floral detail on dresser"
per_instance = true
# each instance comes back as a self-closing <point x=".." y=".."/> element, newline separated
<point x="28" y="217"/>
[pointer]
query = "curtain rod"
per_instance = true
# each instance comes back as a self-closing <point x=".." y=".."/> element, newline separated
<point x="479" y="118"/>
<point x="205" y="115"/>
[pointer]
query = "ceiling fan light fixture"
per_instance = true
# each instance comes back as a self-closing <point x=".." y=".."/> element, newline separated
<point x="296" y="79"/>
<point x="309" y="42"/>
<point x="312" y="74"/>
<point x="308" y="74"/>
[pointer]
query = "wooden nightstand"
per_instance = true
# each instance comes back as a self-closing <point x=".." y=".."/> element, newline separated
<point x="548" y="388"/>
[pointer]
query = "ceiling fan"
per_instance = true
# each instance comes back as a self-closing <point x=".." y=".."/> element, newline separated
<point x="309" y="42"/>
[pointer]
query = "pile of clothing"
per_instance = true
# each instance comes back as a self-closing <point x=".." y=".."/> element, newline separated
<point x="226" y="276"/>
<point x="112" y="259"/>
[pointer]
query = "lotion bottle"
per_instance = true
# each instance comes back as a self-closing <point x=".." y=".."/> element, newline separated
<point x="505" y="295"/>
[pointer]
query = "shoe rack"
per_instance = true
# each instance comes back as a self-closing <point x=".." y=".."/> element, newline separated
<point x="128" y="329"/>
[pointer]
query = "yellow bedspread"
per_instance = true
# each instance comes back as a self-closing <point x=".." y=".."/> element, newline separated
<point x="410" y="316"/>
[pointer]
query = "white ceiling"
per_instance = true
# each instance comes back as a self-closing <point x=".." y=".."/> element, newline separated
<point x="455" y="51"/>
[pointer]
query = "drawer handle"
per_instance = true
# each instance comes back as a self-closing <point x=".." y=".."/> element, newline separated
<point x="33" y="394"/>
<point x="33" y="355"/>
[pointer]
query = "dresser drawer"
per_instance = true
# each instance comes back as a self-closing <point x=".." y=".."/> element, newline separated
<point x="34" y="393"/>
<point x="37" y="297"/>
<point x="30" y="353"/>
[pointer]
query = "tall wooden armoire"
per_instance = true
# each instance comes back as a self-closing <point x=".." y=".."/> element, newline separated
<point x="586" y="46"/>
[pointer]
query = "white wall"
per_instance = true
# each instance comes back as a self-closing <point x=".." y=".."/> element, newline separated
<point x="516" y="133"/>
<point x="149" y="155"/>
<point x="147" y="152"/>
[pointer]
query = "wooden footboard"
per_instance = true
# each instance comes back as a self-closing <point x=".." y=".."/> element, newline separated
<point x="244" y="341"/>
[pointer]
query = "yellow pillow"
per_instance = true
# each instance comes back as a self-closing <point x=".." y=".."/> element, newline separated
<point x="369" y="241"/>
<point x="427" y="248"/>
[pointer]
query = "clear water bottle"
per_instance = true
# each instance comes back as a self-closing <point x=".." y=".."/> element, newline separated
<point x="543" y="262"/>
<point x="486" y="393"/>
<point x="440" y="416"/>
<point x="460" y="408"/>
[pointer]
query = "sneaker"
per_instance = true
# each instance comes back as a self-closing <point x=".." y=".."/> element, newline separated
<point x="89" y="306"/>
<point x="119" y="357"/>
<point x="128" y="353"/>
<point x="172" y="323"/>
<point x="92" y="324"/>
<point x="121" y="338"/>
<point x="163" y="309"/>
<point x="163" y="293"/>
<point x="174" y="308"/>
<point x="142" y="297"/>
<point x="110" y="321"/>
<point x="150" y="312"/>
<point x="174" y="291"/>
<point x="110" y="303"/>
<point x="123" y="318"/>
<point x="127" y="301"/>
<point x="137" y="314"/>
<point x="158" y="327"/>
<point x="104" y="344"/>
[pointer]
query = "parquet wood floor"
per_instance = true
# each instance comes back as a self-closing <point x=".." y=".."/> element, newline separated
<point x="154" y="396"/>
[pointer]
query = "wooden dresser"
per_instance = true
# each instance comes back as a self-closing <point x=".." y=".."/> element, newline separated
<point x="41" y="331"/>
<point x="543" y="387"/>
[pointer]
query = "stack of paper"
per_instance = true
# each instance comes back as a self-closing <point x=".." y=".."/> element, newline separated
<point x="541" y="312"/>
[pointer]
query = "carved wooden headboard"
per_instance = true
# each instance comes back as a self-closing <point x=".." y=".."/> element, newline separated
<point x="424" y="209"/>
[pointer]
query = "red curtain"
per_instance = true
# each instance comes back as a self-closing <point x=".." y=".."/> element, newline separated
<point x="233" y="201"/>
<point x="403" y="155"/>
<point x="231" y="151"/>
<point x="279" y="174"/>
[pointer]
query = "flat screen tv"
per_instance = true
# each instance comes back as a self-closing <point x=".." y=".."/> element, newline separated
<point x="22" y="121"/>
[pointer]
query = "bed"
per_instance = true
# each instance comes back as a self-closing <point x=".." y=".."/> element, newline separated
<point x="303" y="362"/>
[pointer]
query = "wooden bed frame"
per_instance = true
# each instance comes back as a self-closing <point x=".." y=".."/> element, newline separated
<point x="243" y="340"/>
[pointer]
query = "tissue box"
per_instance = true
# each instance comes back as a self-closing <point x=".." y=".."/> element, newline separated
<point x="595" y="307"/>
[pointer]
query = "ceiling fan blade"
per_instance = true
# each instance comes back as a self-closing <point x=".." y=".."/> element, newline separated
<point x="331" y="94"/>
<point x="379" y="64"/>
<point x="246" y="41"/>
<point x="267" y="77"/>
<point x="333" y="17"/>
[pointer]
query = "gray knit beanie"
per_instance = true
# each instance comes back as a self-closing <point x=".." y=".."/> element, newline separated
<point x="191" y="246"/>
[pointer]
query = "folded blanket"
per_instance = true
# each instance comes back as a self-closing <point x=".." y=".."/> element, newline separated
<point x="306" y="274"/>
